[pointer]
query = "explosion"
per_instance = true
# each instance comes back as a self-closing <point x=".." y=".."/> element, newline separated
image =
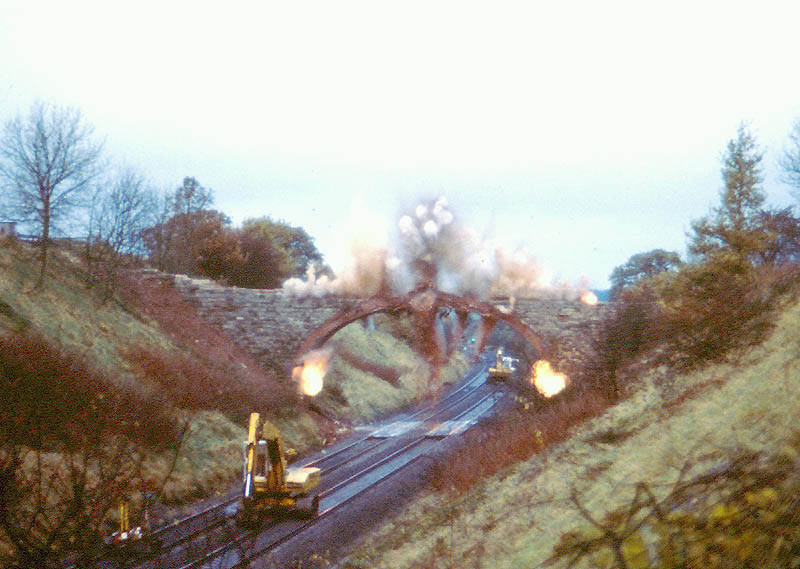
<point x="547" y="381"/>
<point x="588" y="297"/>
<point x="430" y="247"/>
<point x="311" y="373"/>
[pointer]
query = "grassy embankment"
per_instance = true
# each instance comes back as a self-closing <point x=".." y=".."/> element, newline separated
<point x="669" y="426"/>
<point x="150" y="346"/>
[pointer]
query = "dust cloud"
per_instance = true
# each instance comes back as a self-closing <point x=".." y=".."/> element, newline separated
<point x="431" y="248"/>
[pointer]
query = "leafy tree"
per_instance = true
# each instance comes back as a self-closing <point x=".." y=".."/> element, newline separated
<point x="48" y="162"/>
<point x="642" y="266"/>
<point x="219" y="251"/>
<point x="187" y="236"/>
<point x="294" y="241"/>
<point x="734" y="225"/>
<point x="261" y="263"/>
<point x="190" y="238"/>
<point x="790" y="160"/>
<point x="711" y="308"/>
<point x="268" y="253"/>
<point x="187" y="242"/>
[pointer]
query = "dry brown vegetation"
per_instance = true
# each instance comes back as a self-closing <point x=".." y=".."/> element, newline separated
<point x="686" y="319"/>
<point x="71" y="447"/>
<point x="48" y="395"/>
<point x="212" y="372"/>
<point x="513" y="436"/>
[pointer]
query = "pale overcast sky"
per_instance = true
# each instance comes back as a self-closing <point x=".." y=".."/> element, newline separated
<point x="584" y="131"/>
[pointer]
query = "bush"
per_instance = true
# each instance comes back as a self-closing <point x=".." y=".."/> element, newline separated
<point x="514" y="436"/>
<point x="712" y="308"/>
<point x="210" y="371"/>
<point x="49" y="397"/>
<point x="741" y="514"/>
<point x="195" y="384"/>
<point x="687" y="318"/>
<point x="626" y="331"/>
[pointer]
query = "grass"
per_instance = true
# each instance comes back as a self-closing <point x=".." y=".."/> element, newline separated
<point x="515" y="518"/>
<point x="374" y="373"/>
<point x="149" y="343"/>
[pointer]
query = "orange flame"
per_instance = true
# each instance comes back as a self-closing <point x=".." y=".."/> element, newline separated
<point x="547" y="381"/>
<point x="588" y="297"/>
<point x="310" y="375"/>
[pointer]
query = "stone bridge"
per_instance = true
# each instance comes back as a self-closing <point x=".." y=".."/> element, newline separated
<point x="272" y="325"/>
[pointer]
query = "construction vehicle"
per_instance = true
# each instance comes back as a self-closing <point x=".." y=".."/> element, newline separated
<point x="503" y="366"/>
<point x="270" y="487"/>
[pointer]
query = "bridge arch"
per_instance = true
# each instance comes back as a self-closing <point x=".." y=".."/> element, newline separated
<point x="420" y="301"/>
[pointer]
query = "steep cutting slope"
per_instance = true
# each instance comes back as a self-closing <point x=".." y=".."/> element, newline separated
<point x="670" y="423"/>
<point x="150" y="341"/>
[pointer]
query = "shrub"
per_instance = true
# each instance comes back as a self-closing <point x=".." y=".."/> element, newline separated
<point x="711" y="308"/>
<point x="626" y="331"/>
<point x="210" y="371"/>
<point x="194" y="383"/>
<point x="741" y="514"/>
<point x="49" y="396"/>
<point x="701" y="313"/>
<point x="72" y="446"/>
<point x="512" y="437"/>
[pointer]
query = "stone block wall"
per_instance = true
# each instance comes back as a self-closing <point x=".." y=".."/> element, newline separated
<point x="271" y="324"/>
<point x="568" y="327"/>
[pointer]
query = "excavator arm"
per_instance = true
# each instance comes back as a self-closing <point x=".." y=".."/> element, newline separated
<point x="268" y="484"/>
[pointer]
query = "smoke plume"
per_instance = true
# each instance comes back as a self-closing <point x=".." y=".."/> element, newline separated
<point x="430" y="247"/>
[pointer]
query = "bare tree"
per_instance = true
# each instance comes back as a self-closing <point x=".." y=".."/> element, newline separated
<point x="790" y="160"/>
<point x="56" y="502"/>
<point x="158" y="238"/>
<point x="48" y="162"/>
<point x="121" y="209"/>
<point x="192" y="197"/>
<point x="72" y="447"/>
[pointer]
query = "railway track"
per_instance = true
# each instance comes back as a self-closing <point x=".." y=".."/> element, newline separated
<point x="241" y="550"/>
<point x="211" y="537"/>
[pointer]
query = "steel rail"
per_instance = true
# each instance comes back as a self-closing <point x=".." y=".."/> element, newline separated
<point x="467" y="383"/>
<point x="222" y="550"/>
<point x="462" y="392"/>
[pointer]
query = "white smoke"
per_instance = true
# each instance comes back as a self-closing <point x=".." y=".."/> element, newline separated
<point x="431" y="245"/>
<point x="312" y="285"/>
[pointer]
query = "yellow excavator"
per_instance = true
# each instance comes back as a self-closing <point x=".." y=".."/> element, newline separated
<point x="270" y="487"/>
<point x="503" y="366"/>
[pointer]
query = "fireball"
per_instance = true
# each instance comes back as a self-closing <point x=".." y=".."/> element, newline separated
<point x="588" y="297"/>
<point x="311" y="379"/>
<point x="310" y="375"/>
<point x="547" y="381"/>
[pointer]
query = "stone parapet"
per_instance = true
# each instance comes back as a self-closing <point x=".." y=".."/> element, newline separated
<point x="272" y="324"/>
